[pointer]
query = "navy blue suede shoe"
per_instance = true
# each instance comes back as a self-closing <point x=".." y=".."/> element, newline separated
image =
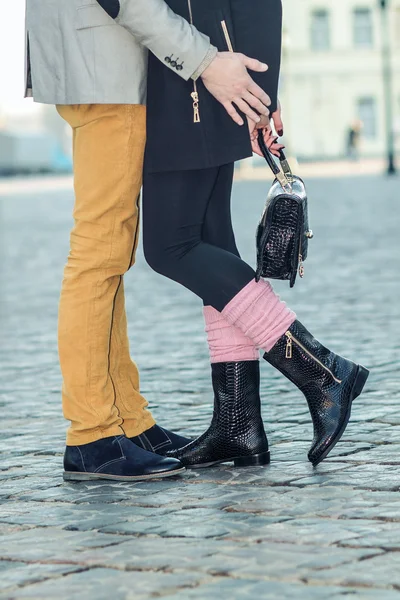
<point x="116" y="458"/>
<point x="160" y="440"/>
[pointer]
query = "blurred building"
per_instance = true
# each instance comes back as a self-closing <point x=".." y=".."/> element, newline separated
<point x="332" y="76"/>
<point x="32" y="137"/>
<point x="34" y="140"/>
<point x="331" y="81"/>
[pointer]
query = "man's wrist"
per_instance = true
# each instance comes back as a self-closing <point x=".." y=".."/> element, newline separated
<point x="205" y="63"/>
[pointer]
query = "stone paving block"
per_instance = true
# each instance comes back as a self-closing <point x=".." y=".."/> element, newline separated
<point x="297" y="502"/>
<point x="286" y="561"/>
<point x="78" y="517"/>
<point x="365" y="594"/>
<point x="197" y="523"/>
<point x="95" y="491"/>
<point x="273" y="474"/>
<point x="364" y="476"/>
<point x="17" y="574"/>
<point x="392" y="418"/>
<point x="378" y="571"/>
<point x="192" y="524"/>
<point x="337" y="503"/>
<point x="383" y="455"/>
<point x="48" y="544"/>
<point x="246" y="560"/>
<point x="104" y="584"/>
<point x="385" y="535"/>
<point x="376" y="433"/>
<point x="242" y="589"/>
<point x="199" y="493"/>
<point x="297" y="451"/>
<point x="316" y="531"/>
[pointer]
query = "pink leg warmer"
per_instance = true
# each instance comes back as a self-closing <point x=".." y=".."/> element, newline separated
<point x="260" y="314"/>
<point x="227" y="343"/>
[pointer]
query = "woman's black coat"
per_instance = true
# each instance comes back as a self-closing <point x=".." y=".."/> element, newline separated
<point x="174" y="141"/>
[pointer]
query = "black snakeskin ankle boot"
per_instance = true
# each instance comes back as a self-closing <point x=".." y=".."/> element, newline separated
<point x="236" y="433"/>
<point x="329" y="382"/>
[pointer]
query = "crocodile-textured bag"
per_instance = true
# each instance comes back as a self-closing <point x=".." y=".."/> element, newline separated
<point x="283" y="232"/>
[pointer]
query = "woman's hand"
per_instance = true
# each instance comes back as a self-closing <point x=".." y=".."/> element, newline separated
<point x="269" y="138"/>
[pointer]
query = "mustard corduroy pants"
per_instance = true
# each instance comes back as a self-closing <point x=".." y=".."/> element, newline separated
<point x="101" y="396"/>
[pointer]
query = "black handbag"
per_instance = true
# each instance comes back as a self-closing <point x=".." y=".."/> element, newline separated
<point x="283" y="232"/>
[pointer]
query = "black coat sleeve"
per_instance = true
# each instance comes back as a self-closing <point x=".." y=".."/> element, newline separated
<point x="258" y="34"/>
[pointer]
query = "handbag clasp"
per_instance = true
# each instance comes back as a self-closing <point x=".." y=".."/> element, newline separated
<point x="284" y="182"/>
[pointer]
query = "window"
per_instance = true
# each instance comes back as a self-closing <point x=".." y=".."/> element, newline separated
<point x="367" y="115"/>
<point x="320" y="30"/>
<point x="363" y="28"/>
<point x="397" y="26"/>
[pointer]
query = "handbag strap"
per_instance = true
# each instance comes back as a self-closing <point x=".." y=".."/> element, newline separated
<point x="284" y="176"/>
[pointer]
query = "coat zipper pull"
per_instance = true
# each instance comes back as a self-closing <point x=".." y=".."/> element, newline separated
<point x="194" y="94"/>
<point x="196" y="112"/>
<point x="289" y="345"/>
<point x="227" y="36"/>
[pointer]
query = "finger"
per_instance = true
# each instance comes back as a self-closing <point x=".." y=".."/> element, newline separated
<point x="245" y="108"/>
<point x="259" y="93"/>
<point x="232" y="112"/>
<point x="253" y="64"/>
<point x="271" y="140"/>
<point x="276" y="152"/>
<point x="278" y="124"/>
<point x="268" y="136"/>
<point x="256" y="148"/>
<point x="276" y="149"/>
<point x="273" y="144"/>
<point x="255" y="103"/>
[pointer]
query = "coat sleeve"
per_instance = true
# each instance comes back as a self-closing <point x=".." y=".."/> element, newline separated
<point x="258" y="34"/>
<point x="163" y="32"/>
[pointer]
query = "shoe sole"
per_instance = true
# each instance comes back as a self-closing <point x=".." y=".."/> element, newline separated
<point x="76" y="476"/>
<point x="257" y="460"/>
<point x="358" y="386"/>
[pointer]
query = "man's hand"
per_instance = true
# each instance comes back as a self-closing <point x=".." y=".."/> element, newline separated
<point x="228" y="80"/>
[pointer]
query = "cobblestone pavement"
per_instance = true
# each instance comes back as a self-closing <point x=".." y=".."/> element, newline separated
<point x="283" y="532"/>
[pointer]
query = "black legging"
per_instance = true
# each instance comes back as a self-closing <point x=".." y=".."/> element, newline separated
<point x="188" y="235"/>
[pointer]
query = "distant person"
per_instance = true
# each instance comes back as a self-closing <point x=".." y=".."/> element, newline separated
<point x="354" y="140"/>
<point x="188" y="237"/>
<point x="91" y="61"/>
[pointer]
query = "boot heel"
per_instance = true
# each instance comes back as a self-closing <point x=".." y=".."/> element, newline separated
<point x="360" y="381"/>
<point x="257" y="460"/>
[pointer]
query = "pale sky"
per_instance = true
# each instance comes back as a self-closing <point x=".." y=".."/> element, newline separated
<point x="12" y="49"/>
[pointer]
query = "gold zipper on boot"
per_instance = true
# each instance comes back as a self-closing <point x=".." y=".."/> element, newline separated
<point x="194" y="95"/>
<point x="301" y="266"/>
<point x="289" y="345"/>
<point x="289" y="354"/>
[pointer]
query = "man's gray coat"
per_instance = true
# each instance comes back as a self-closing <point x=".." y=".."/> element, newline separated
<point x="78" y="54"/>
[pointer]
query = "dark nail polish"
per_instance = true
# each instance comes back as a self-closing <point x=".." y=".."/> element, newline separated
<point x="280" y="132"/>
